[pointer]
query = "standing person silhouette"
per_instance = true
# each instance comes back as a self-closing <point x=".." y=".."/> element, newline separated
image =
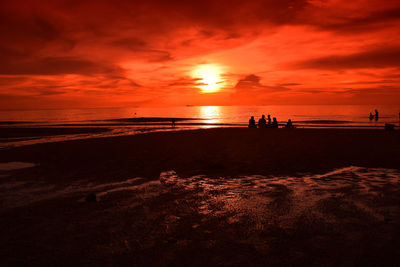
<point x="269" y="120"/>
<point x="371" y="116"/>
<point x="262" y="123"/>
<point x="252" y="122"/>
<point x="289" y="124"/>
<point x="376" y="114"/>
<point x="274" y="123"/>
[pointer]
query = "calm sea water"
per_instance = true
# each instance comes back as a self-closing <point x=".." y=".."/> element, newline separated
<point x="309" y="115"/>
<point x="321" y="116"/>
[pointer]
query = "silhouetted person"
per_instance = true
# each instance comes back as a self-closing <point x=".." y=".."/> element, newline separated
<point x="371" y="117"/>
<point x="289" y="124"/>
<point x="274" y="123"/>
<point x="173" y="122"/>
<point x="262" y="123"/>
<point x="376" y="114"/>
<point x="269" y="120"/>
<point x="252" y="122"/>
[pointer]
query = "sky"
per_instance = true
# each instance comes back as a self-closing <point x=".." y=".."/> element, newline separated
<point x="90" y="54"/>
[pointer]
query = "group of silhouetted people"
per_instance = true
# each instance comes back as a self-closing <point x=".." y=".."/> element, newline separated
<point x="267" y="122"/>
<point x="371" y="117"/>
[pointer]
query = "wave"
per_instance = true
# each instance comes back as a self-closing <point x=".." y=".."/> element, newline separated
<point x="154" y="119"/>
<point x="324" y="121"/>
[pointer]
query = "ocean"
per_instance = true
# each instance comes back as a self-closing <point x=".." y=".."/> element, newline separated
<point x="303" y="115"/>
<point x="124" y="121"/>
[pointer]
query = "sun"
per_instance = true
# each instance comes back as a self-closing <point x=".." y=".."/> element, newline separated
<point x="209" y="76"/>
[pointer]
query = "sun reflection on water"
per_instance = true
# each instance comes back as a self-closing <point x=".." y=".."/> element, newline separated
<point x="211" y="114"/>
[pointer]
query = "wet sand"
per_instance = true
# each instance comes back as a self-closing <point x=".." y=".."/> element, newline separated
<point x="205" y="197"/>
<point x="18" y="132"/>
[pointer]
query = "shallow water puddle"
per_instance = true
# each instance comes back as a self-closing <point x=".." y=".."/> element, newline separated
<point x="259" y="198"/>
<point x="256" y="197"/>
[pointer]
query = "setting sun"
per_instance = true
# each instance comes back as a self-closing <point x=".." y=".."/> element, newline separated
<point x="210" y="78"/>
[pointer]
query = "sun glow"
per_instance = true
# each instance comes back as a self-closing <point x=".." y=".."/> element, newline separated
<point x="210" y="113"/>
<point x="209" y="76"/>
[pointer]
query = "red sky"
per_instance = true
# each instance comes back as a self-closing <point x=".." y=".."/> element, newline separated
<point x="73" y="54"/>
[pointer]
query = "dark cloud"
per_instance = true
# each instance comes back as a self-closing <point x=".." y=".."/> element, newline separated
<point x="51" y="92"/>
<point x="377" y="90"/>
<point x="362" y="23"/>
<point x="289" y="84"/>
<point x="251" y="83"/>
<point x="130" y="43"/>
<point x="315" y="91"/>
<point x="158" y="56"/>
<point x="142" y="49"/>
<point x="11" y="80"/>
<point x="27" y="30"/>
<point x="32" y="27"/>
<point x="373" y="82"/>
<point x="38" y="22"/>
<point x="54" y="66"/>
<point x="133" y="83"/>
<point x="224" y="14"/>
<point x="382" y="57"/>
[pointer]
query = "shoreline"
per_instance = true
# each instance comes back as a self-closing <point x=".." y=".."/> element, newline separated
<point x="15" y="136"/>
<point x="34" y="131"/>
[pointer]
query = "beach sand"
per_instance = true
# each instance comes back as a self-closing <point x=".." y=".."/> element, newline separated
<point x="230" y="196"/>
<point x="19" y="132"/>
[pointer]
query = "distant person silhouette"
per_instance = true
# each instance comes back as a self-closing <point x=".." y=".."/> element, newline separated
<point x="371" y="117"/>
<point x="252" y="122"/>
<point x="289" y="124"/>
<point x="376" y="114"/>
<point x="173" y="123"/>
<point x="262" y="123"/>
<point x="274" y="123"/>
<point x="269" y="120"/>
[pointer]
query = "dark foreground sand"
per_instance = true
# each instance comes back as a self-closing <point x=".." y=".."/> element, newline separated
<point x="206" y="197"/>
